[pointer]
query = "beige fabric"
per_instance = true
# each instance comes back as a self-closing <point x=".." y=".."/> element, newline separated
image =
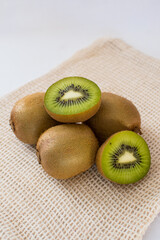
<point x="36" y="206"/>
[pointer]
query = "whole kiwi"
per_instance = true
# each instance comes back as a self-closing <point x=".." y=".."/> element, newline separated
<point x="29" y="118"/>
<point x="67" y="150"/>
<point x="115" y="114"/>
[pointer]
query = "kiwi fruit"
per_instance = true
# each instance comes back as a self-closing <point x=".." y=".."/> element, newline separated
<point x="67" y="150"/>
<point x="29" y="118"/>
<point x="124" y="158"/>
<point x="72" y="99"/>
<point x="115" y="114"/>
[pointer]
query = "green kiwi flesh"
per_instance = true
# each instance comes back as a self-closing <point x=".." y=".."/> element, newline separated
<point x="29" y="118"/>
<point x="124" y="158"/>
<point x="72" y="99"/>
<point x="115" y="114"/>
<point x="67" y="150"/>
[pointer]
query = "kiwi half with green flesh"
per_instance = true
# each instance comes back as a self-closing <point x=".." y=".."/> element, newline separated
<point x="124" y="158"/>
<point x="115" y="114"/>
<point x="72" y="99"/>
<point x="29" y="118"/>
<point x="67" y="150"/>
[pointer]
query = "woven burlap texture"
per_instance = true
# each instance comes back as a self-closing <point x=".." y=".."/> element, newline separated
<point x="35" y="206"/>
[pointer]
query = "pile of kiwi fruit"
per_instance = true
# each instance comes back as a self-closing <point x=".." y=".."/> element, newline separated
<point x="74" y="126"/>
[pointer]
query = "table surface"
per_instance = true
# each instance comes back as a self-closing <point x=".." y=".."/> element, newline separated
<point x="36" y="36"/>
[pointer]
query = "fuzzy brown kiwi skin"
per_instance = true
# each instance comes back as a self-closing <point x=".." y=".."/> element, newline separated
<point x="79" y="117"/>
<point x="28" y="118"/>
<point x="67" y="150"/>
<point x="115" y="114"/>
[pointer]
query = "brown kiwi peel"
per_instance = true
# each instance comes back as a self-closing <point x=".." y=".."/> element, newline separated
<point x="67" y="150"/>
<point x="29" y="118"/>
<point x="115" y="114"/>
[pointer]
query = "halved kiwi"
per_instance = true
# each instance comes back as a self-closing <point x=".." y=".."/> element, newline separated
<point x="72" y="99"/>
<point x="124" y="158"/>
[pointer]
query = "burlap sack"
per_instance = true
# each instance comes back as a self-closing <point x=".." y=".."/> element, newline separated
<point x="35" y="206"/>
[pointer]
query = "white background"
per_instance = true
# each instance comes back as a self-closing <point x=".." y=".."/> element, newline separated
<point x="37" y="35"/>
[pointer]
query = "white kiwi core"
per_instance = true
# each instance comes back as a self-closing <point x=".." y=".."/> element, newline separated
<point x="127" y="157"/>
<point x="71" y="95"/>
